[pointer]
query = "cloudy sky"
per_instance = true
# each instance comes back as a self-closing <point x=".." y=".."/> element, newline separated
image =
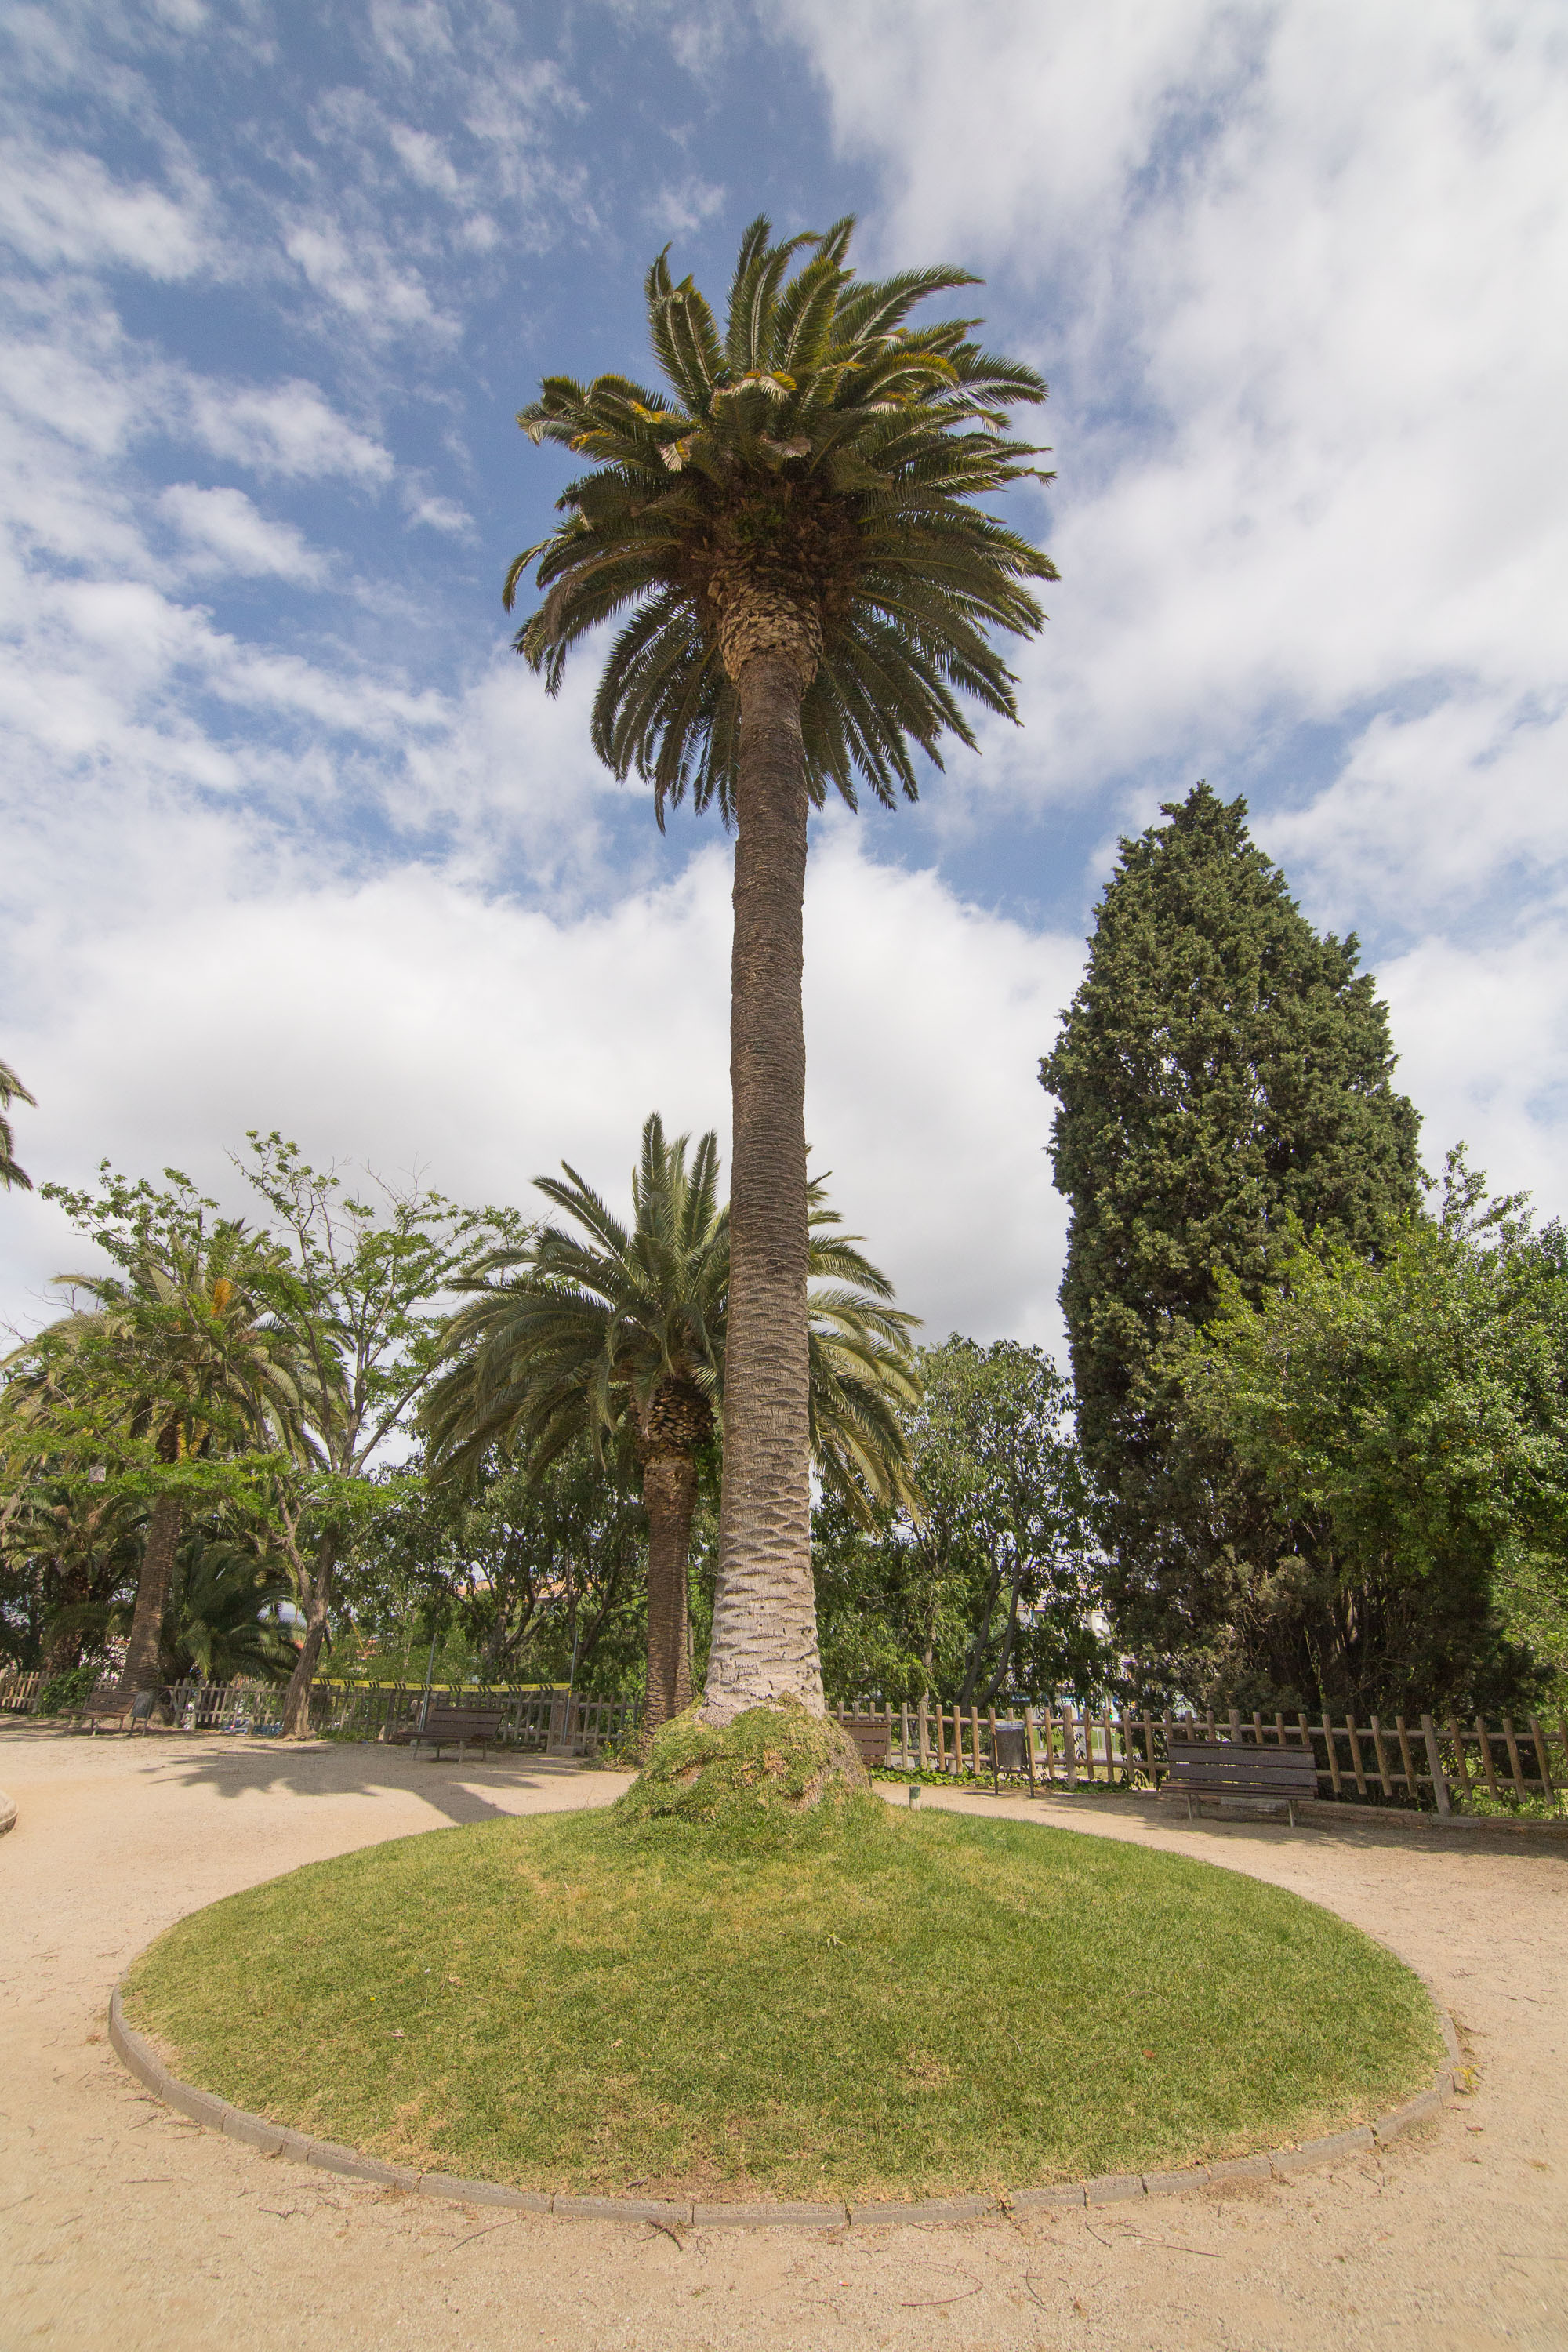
<point x="293" y="840"/>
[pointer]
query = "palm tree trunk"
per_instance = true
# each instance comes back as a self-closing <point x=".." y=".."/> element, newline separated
<point x="143" y="1667"/>
<point x="764" y="1616"/>
<point x="297" y="1700"/>
<point x="669" y="1497"/>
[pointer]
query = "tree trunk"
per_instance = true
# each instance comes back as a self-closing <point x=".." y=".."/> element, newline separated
<point x="297" y="1702"/>
<point x="670" y="1496"/>
<point x="142" y="1669"/>
<point x="62" y="1648"/>
<point x="764" y="1616"/>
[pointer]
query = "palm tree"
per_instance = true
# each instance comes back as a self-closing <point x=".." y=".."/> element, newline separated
<point x="185" y="1356"/>
<point x="223" y="1622"/>
<point x="620" y="1335"/>
<point x="11" y="1090"/>
<point x="76" y="1541"/>
<point x="810" y="581"/>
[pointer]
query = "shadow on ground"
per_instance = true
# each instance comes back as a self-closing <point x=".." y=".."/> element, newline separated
<point x="233" y="1765"/>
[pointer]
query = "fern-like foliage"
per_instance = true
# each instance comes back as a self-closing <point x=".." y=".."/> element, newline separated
<point x="821" y="451"/>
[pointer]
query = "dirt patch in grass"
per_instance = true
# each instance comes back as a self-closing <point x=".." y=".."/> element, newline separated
<point x="913" y="2007"/>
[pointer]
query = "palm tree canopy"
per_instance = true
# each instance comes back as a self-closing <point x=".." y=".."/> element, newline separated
<point x="223" y="1619"/>
<point x="814" y="480"/>
<point x="183" y="1350"/>
<point x="566" y="1331"/>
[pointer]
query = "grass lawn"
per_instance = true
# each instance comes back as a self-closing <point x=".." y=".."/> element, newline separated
<point x="916" y="2006"/>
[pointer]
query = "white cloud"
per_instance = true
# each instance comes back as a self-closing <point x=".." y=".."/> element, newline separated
<point x="357" y="272"/>
<point x="289" y="428"/>
<point x="510" y="780"/>
<point x="1483" y="1039"/>
<point x="1302" y="292"/>
<point x="1446" y="807"/>
<point x="415" y="1021"/>
<point x="441" y="514"/>
<point x="410" y="32"/>
<point x="62" y="207"/>
<point x="226" y="533"/>
<point x="425" y="160"/>
<point x="681" y="209"/>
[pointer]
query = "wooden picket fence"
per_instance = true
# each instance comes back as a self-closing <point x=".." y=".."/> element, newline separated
<point x="1429" y="1765"/>
<point x="540" y="1718"/>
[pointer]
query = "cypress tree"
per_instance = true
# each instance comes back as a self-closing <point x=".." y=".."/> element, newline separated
<point x="1221" y="1071"/>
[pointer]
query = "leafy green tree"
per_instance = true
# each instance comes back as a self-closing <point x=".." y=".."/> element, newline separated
<point x="619" y="1335"/>
<point x="180" y="1351"/>
<point x="1221" y="1071"/>
<point x="1406" y="1420"/>
<point x="363" y="1276"/>
<point x="994" y="1584"/>
<point x="536" y="1574"/>
<point x="795" y="536"/>
<point x="11" y="1090"/>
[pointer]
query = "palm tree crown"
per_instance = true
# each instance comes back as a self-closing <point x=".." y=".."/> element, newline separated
<point x="617" y="1333"/>
<point x="580" y="1331"/>
<point x="813" y="481"/>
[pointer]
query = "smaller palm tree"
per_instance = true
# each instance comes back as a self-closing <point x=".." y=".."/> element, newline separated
<point x="224" y="1620"/>
<point x="184" y="1355"/>
<point x="617" y="1334"/>
<point x="11" y="1090"/>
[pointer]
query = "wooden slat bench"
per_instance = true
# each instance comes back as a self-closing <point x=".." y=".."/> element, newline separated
<point x="451" y="1726"/>
<point x="110" y="1704"/>
<point x="872" y="1735"/>
<point x="1210" y="1771"/>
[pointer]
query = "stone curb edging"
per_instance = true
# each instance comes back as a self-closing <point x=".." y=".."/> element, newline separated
<point x="7" y="1813"/>
<point x="275" y="2140"/>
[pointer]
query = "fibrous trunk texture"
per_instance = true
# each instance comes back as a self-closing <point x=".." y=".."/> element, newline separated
<point x="764" y="1616"/>
<point x="670" y="1496"/>
<point x="142" y="1668"/>
<point x="673" y="1423"/>
<point x="297" y="1700"/>
<point x="759" y="618"/>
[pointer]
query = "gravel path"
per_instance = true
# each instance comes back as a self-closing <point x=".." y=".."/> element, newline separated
<point x="121" y="2226"/>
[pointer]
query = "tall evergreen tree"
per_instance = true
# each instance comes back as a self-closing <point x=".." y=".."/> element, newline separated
<point x="1221" y="1072"/>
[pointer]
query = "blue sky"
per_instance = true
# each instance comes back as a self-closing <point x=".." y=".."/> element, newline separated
<point x="293" y="840"/>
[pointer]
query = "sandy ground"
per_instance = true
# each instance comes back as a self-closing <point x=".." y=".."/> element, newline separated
<point x="123" y="2226"/>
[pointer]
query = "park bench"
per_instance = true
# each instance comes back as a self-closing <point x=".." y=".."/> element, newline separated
<point x="451" y="1726"/>
<point x="1214" y="1770"/>
<point x="110" y="1704"/>
<point x="872" y="1735"/>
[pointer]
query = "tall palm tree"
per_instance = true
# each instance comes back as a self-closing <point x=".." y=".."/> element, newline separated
<point x="810" y="580"/>
<point x="182" y="1354"/>
<point x="11" y="1090"/>
<point x="620" y="1334"/>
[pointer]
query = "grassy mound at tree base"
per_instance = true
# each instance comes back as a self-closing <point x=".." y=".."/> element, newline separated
<point x="775" y="1772"/>
<point x="905" y="2008"/>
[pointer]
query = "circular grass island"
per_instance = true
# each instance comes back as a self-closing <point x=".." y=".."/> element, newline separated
<point x="894" y="2006"/>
